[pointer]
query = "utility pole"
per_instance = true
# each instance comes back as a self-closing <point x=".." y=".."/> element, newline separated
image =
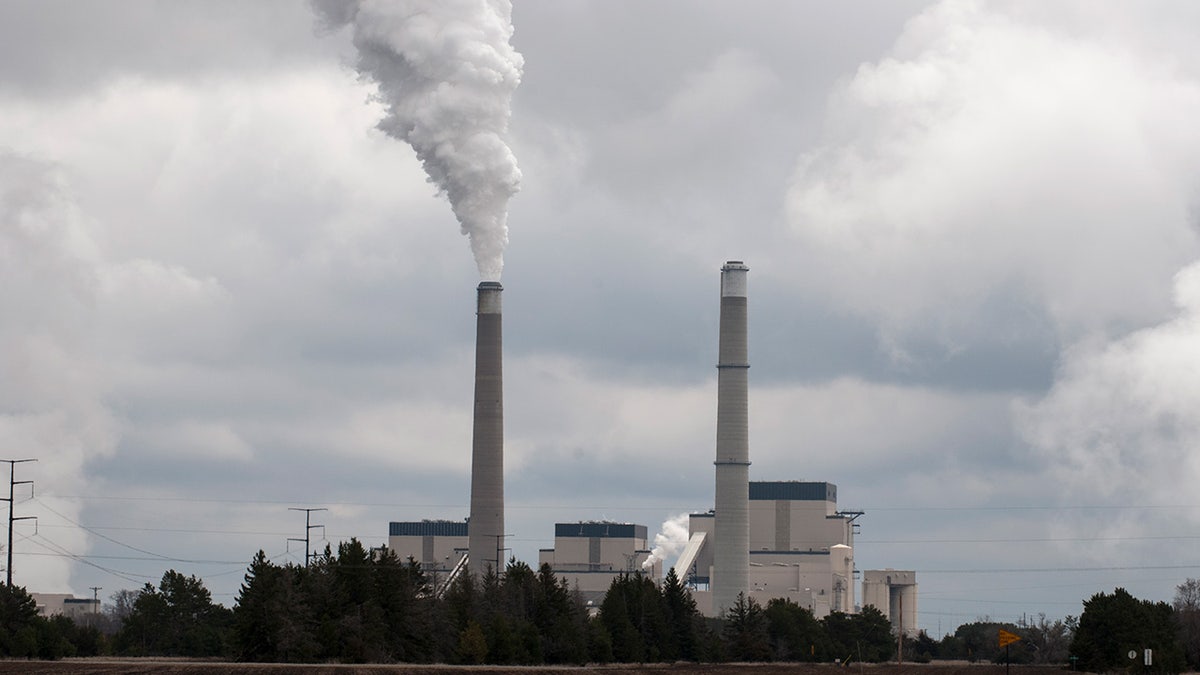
<point x="307" y="529"/>
<point x="500" y="549"/>
<point x="95" y="602"/>
<point x="12" y="483"/>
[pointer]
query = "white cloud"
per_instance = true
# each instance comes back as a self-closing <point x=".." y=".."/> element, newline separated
<point x="1119" y="426"/>
<point x="990" y="156"/>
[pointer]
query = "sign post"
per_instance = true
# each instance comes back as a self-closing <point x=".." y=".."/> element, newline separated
<point x="1006" y="639"/>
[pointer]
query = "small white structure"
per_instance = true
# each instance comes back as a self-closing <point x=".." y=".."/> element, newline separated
<point x="801" y="548"/>
<point x="65" y="604"/>
<point x="589" y="555"/>
<point x="893" y="592"/>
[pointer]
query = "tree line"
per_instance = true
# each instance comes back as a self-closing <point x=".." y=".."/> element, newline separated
<point x="356" y="605"/>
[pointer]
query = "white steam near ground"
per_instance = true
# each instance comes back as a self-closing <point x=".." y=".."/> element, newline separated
<point x="446" y="74"/>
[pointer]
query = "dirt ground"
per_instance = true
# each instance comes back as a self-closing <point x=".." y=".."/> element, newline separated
<point x="184" y="667"/>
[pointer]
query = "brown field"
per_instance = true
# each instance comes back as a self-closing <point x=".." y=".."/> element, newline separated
<point x="184" y="667"/>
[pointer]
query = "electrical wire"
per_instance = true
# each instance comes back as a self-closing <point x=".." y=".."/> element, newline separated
<point x="108" y="538"/>
<point x="47" y="544"/>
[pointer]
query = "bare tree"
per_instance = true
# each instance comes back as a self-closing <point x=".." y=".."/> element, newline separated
<point x="1187" y="613"/>
<point x="1050" y="640"/>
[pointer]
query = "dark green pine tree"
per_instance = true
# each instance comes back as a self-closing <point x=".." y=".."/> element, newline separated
<point x="561" y="620"/>
<point x="403" y="596"/>
<point x="615" y="615"/>
<point x="325" y="606"/>
<point x="1113" y="625"/>
<point x="794" y="633"/>
<point x="865" y="636"/>
<point x="176" y="619"/>
<point x="651" y="617"/>
<point x="519" y="590"/>
<point x="18" y="622"/>
<point x="361" y="630"/>
<point x="257" y="617"/>
<point x="684" y="619"/>
<point x="745" y="631"/>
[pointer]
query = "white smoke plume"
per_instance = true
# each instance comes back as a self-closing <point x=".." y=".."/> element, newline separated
<point x="52" y="381"/>
<point x="446" y="73"/>
<point x="670" y="540"/>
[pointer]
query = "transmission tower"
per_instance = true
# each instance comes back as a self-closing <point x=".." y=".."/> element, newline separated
<point x="12" y="484"/>
<point x="308" y="527"/>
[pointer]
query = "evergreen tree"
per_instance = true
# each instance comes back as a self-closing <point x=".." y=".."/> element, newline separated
<point x="560" y="619"/>
<point x="1112" y="625"/>
<point x="459" y="609"/>
<point x="615" y="615"/>
<point x="18" y="622"/>
<point x="793" y="632"/>
<point x="360" y="626"/>
<point x="178" y="618"/>
<point x="684" y="619"/>
<point x="745" y="632"/>
<point x="403" y="596"/>
<point x="472" y="644"/>
<point x="258" y="617"/>
<point x="600" y="649"/>
<point x="866" y="636"/>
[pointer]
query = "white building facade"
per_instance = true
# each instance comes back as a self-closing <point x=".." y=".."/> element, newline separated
<point x="801" y="548"/>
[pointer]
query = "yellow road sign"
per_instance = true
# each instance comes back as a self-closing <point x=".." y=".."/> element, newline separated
<point x="1007" y="638"/>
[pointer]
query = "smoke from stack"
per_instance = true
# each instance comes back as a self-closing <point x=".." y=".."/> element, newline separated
<point x="446" y="74"/>
<point x="731" y="555"/>
<point x="485" y="533"/>
<point x="670" y="540"/>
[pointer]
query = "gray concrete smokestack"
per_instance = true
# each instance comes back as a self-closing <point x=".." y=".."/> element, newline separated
<point x="486" y="529"/>
<point x="731" y="555"/>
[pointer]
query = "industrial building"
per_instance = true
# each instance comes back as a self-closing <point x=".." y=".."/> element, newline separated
<point x="893" y="592"/>
<point x="776" y="539"/>
<point x="763" y="539"/>
<point x="800" y="548"/>
<point x="589" y="555"/>
<point x="65" y="604"/>
<point x="438" y="545"/>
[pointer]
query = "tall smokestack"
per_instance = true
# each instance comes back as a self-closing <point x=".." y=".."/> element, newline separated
<point x="486" y="529"/>
<point x="731" y="556"/>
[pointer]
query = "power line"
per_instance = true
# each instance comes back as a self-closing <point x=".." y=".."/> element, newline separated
<point x="1030" y="540"/>
<point x="93" y="556"/>
<point x="105" y="537"/>
<point x="51" y="546"/>
<point x="1050" y="570"/>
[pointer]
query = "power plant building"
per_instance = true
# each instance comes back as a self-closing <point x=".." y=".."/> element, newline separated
<point x="800" y="548"/>
<point x="893" y="592"/>
<point x="438" y="545"/>
<point x="589" y="555"/>
<point x="764" y="539"/>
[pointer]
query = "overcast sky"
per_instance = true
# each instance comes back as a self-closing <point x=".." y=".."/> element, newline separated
<point x="974" y="292"/>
